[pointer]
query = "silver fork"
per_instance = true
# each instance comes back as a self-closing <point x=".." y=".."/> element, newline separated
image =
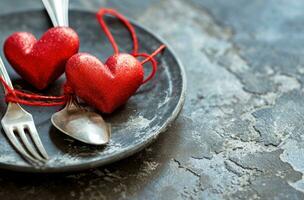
<point x="19" y="123"/>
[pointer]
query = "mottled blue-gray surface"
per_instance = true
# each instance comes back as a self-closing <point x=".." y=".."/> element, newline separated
<point x="240" y="135"/>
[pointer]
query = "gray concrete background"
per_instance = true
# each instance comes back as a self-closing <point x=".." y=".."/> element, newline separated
<point x="240" y="133"/>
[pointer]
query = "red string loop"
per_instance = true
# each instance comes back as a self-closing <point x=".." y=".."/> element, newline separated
<point x="17" y="96"/>
<point x="100" y="14"/>
<point x="152" y="60"/>
<point x="131" y="29"/>
<point x="154" y="66"/>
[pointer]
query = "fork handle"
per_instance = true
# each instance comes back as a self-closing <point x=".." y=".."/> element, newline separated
<point x="58" y="11"/>
<point x="5" y="75"/>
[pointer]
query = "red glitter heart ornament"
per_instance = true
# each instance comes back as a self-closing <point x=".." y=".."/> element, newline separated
<point x="105" y="86"/>
<point x="40" y="62"/>
<point x="108" y="86"/>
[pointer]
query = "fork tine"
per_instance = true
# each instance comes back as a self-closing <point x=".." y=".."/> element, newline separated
<point x="35" y="136"/>
<point x="28" y="145"/>
<point x="11" y="136"/>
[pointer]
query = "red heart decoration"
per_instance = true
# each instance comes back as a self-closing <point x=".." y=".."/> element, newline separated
<point x="104" y="86"/>
<point x="41" y="62"/>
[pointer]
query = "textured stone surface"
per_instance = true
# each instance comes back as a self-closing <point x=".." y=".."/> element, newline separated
<point x="240" y="133"/>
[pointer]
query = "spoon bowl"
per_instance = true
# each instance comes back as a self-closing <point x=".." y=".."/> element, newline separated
<point x="82" y="125"/>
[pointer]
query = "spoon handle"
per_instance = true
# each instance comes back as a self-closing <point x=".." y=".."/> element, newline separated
<point x="58" y="11"/>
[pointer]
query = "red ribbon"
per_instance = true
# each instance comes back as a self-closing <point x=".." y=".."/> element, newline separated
<point x="32" y="99"/>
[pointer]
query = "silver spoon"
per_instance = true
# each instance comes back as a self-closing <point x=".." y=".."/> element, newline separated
<point x="82" y="125"/>
<point x="75" y="121"/>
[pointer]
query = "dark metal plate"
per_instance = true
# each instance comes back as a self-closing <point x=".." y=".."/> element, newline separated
<point x="134" y="126"/>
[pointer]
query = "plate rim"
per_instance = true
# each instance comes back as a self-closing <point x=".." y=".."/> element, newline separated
<point x="134" y="149"/>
